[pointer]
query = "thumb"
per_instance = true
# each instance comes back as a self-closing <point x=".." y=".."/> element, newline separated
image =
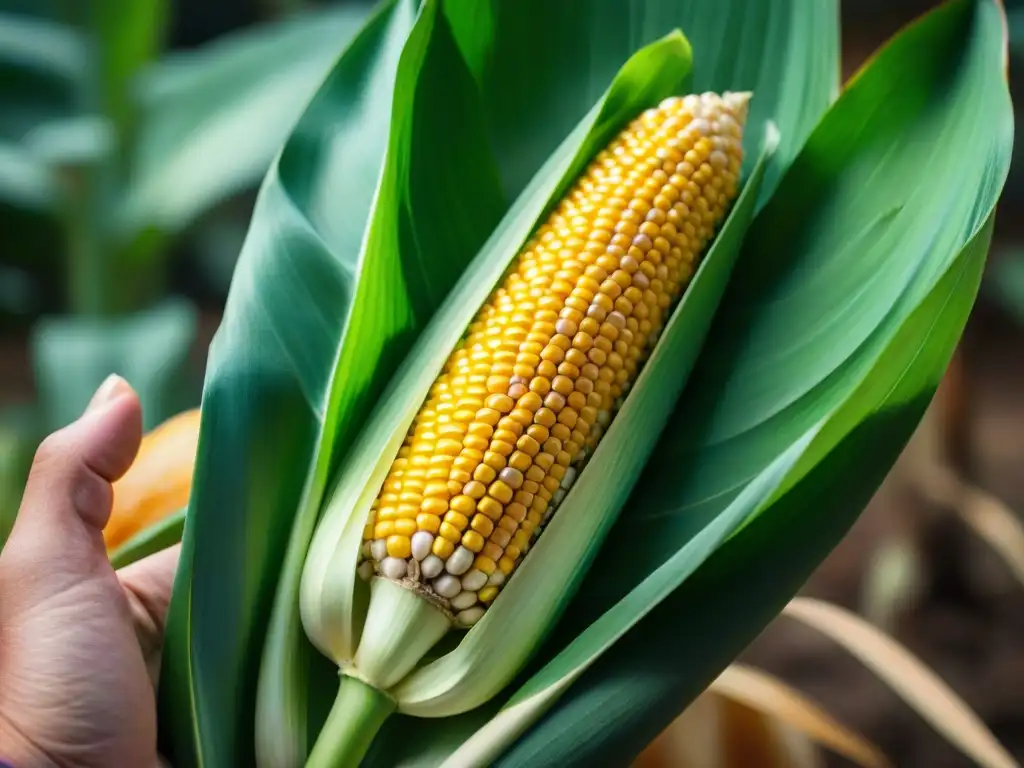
<point x="57" y="537"/>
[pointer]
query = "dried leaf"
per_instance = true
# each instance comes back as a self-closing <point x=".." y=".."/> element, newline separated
<point x="915" y="683"/>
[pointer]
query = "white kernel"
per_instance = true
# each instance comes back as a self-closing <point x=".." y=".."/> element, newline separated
<point x="460" y="561"/>
<point x="691" y="102"/>
<point x="603" y="418"/>
<point x="421" y="544"/>
<point x="464" y="600"/>
<point x="470" y="616"/>
<point x="367" y="550"/>
<point x="365" y="570"/>
<point x="557" y="496"/>
<point x="431" y="566"/>
<point x="569" y="478"/>
<point x="700" y="126"/>
<point x="393" y="567"/>
<point x="379" y="549"/>
<point x="718" y="159"/>
<point x="447" y="585"/>
<point x="474" y="580"/>
<point x="497" y="579"/>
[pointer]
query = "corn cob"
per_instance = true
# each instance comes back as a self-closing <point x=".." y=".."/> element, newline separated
<point x="526" y="396"/>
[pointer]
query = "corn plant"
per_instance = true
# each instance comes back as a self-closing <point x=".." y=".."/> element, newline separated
<point x="788" y="376"/>
<point x="110" y="151"/>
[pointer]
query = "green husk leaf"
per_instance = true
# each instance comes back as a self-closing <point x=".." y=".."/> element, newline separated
<point x="785" y="51"/>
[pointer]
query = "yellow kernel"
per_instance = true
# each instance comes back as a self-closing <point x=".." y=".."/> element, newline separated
<point x="450" y="532"/>
<point x="474" y="489"/>
<point x="540" y="385"/>
<point x="502" y="448"/>
<point x="443" y="548"/>
<point x="492" y="551"/>
<point x="500" y="491"/>
<point x="428" y="523"/>
<point x="482" y="524"/>
<point x="464" y="504"/>
<point x="545" y="417"/>
<point x="475" y="442"/>
<point x="487" y="416"/>
<point x="530" y="401"/>
<point x="485" y="564"/>
<point x="493" y="459"/>
<point x="516" y="511"/>
<point x="437" y="489"/>
<point x="513" y="550"/>
<point x="484" y="473"/>
<point x="501" y="403"/>
<point x="490" y="507"/>
<point x="473" y="541"/>
<point x="405" y="527"/>
<point x="448" y="446"/>
<point x="500" y="538"/>
<point x="518" y="420"/>
<point x="434" y="506"/>
<point x="527" y="446"/>
<point x="383" y="530"/>
<point x="399" y="546"/>
<point x="506" y="564"/>
<point x="520" y="460"/>
<point x="538" y="432"/>
<point x="487" y="594"/>
<point x="457" y="519"/>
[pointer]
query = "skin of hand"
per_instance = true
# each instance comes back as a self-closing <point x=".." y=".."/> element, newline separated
<point x="80" y="643"/>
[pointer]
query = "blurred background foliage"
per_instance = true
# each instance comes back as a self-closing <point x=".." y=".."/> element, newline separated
<point x="133" y="135"/>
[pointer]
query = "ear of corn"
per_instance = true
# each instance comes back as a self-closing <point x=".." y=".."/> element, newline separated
<point x="650" y="201"/>
<point x="527" y="395"/>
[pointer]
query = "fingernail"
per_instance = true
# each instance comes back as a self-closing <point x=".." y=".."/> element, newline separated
<point x="110" y="389"/>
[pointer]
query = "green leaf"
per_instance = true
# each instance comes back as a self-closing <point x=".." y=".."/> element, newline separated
<point x="785" y="51"/>
<point x="18" y="439"/>
<point x="43" y="68"/>
<point x="850" y="294"/>
<point x="160" y="535"/>
<point x="212" y="119"/>
<point x="25" y="181"/>
<point x="127" y="35"/>
<point x="345" y="228"/>
<point x="73" y="355"/>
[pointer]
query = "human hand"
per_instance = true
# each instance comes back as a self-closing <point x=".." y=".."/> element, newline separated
<point x="80" y="643"/>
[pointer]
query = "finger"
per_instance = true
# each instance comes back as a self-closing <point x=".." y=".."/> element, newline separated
<point x="57" y="541"/>
<point x="147" y="585"/>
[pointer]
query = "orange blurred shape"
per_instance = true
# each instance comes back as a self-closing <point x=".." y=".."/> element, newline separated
<point x="159" y="481"/>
